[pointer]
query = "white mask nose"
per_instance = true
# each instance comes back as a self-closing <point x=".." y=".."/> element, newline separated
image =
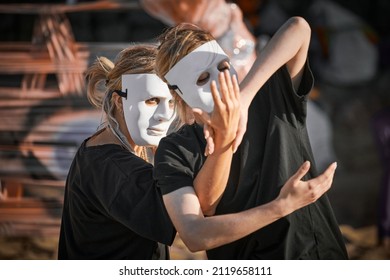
<point x="163" y="112"/>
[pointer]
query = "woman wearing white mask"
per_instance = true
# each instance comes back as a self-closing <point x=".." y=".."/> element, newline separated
<point x="273" y="103"/>
<point x="112" y="208"/>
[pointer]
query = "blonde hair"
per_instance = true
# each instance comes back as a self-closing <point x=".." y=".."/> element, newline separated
<point x="175" y="43"/>
<point x="105" y="76"/>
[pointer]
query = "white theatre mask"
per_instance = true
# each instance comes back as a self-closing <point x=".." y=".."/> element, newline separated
<point x="192" y="75"/>
<point x="148" y="107"/>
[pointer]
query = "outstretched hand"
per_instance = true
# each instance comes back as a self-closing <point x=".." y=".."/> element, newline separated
<point x="297" y="193"/>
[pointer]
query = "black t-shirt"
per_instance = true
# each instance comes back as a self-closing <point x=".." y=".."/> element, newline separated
<point x="112" y="208"/>
<point x="274" y="146"/>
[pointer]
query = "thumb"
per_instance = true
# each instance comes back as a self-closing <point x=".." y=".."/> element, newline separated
<point x="237" y="141"/>
<point x="240" y="134"/>
<point x="303" y="169"/>
<point x="206" y="131"/>
<point x="202" y="115"/>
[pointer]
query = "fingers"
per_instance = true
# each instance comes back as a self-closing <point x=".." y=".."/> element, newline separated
<point x="235" y="93"/>
<point x="209" y="136"/>
<point x="319" y="185"/>
<point x="223" y="86"/>
<point x="236" y="87"/>
<point x="326" y="176"/>
<point x="229" y="87"/>
<point x="215" y="94"/>
<point x="303" y="193"/>
<point x="202" y="115"/>
<point x="303" y="169"/>
<point x="206" y="131"/>
<point x="209" y="146"/>
<point x="331" y="168"/>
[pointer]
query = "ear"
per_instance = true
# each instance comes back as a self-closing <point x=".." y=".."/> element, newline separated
<point x="173" y="93"/>
<point x="176" y="96"/>
<point x="117" y="101"/>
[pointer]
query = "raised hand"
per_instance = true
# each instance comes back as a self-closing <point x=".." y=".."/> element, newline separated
<point x="221" y="126"/>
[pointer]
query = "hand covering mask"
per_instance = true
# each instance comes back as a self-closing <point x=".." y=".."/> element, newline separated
<point x="183" y="77"/>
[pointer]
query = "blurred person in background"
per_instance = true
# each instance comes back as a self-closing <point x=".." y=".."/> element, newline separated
<point x="222" y="19"/>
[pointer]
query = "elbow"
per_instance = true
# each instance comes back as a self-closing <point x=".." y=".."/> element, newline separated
<point x="197" y="238"/>
<point x="301" y="25"/>
<point x="194" y="243"/>
<point x="194" y="248"/>
<point x="208" y="205"/>
<point x="208" y="210"/>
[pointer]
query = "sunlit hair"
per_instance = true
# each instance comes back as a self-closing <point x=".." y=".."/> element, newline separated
<point x="105" y="76"/>
<point x="175" y="43"/>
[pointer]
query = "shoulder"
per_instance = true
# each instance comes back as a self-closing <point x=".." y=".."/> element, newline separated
<point x="183" y="134"/>
<point x="282" y="79"/>
<point x="115" y="161"/>
<point x="178" y="158"/>
<point x="187" y="139"/>
<point x="128" y="164"/>
<point x="127" y="176"/>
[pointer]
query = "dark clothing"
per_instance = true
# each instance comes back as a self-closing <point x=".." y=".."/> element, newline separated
<point x="112" y="208"/>
<point x="381" y="126"/>
<point x="274" y="146"/>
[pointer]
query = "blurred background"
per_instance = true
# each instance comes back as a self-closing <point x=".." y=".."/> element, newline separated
<point x="44" y="114"/>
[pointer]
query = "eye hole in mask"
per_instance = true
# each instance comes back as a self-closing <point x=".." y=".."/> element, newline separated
<point x="224" y="65"/>
<point x="190" y="77"/>
<point x="203" y="79"/>
<point x="154" y="101"/>
<point x="205" y="76"/>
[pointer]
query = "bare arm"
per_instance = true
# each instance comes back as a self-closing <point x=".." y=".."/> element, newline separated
<point x="289" y="46"/>
<point x="204" y="233"/>
<point x="210" y="182"/>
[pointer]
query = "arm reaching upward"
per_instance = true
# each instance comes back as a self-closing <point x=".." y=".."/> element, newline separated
<point x="288" y="46"/>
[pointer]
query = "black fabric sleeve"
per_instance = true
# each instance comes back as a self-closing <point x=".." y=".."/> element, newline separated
<point x="289" y="100"/>
<point x="307" y="81"/>
<point x="306" y="84"/>
<point x="138" y="205"/>
<point x="173" y="166"/>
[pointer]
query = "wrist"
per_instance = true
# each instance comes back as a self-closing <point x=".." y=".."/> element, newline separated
<point x="223" y="143"/>
<point x="281" y="208"/>
<point x="245" y="100"/>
